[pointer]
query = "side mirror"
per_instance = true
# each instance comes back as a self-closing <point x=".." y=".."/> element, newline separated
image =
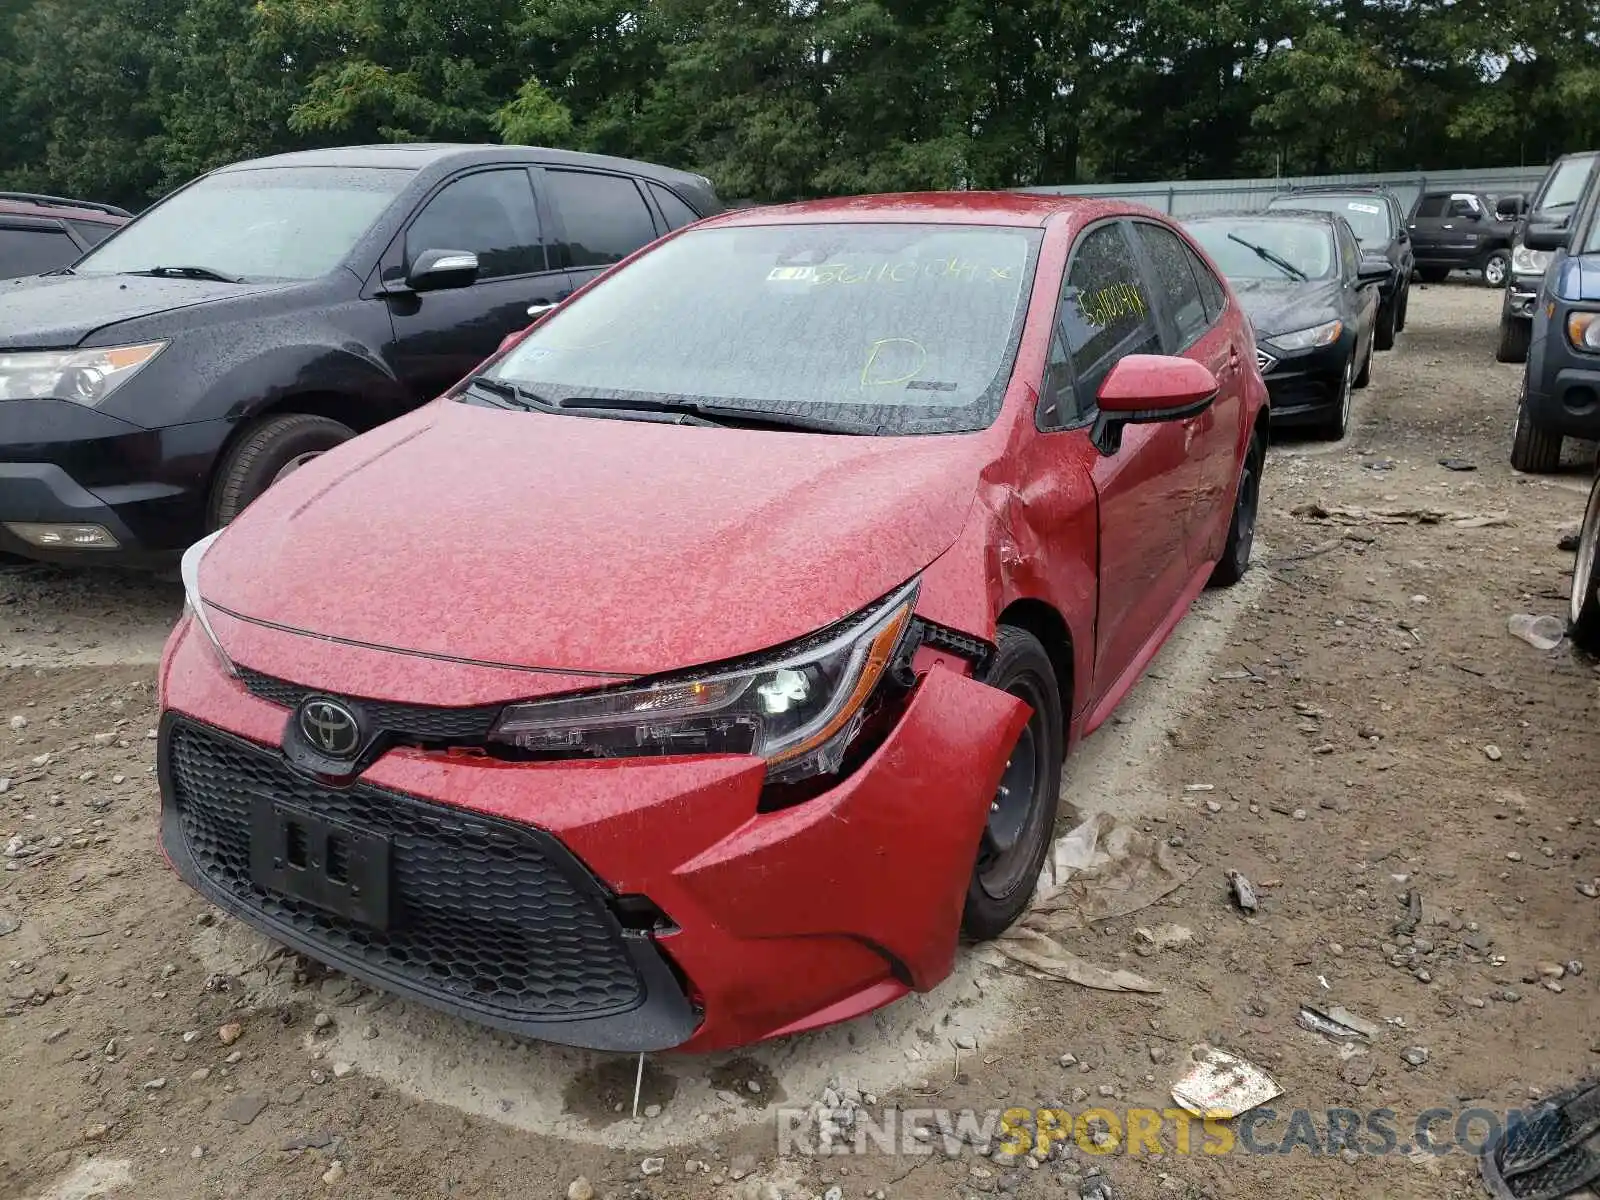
<point x="1546" y="237"/>
<point x="1402" y="236"/>
<point x="1142" y="389"/>
<point x="1372" y="269"/>
<point x="1509" y="208"/>
<point x="437" y="270"/>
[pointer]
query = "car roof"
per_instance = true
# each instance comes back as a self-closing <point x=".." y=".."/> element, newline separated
<point x="1033" y="209"/>
<point x="417" y="156"/>
<point x="33" y="205"/>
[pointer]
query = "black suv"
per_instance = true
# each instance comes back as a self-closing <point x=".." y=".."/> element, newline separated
<point x="272" y="309"/>
<point x="1561" y="383"/>
<point x="1460" y="231"/>
<point x="42" y="233"/>
<point x="1552" y="205"/>
<point x="1379" y="224"/>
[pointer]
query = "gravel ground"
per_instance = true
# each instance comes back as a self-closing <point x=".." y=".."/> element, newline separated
<point x="1352" y="728"/>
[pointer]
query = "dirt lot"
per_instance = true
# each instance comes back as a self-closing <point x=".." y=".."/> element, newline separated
<point x="1366" y="728"/>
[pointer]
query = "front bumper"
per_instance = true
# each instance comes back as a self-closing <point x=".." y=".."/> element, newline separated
<point x="1304" y="385"/>
<point x="770" y="923"/>
<point x="64" y="464"/>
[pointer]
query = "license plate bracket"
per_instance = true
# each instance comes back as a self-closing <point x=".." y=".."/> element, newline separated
<point x="330" y="864"/>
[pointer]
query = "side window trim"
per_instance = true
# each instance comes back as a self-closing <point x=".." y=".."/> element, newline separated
<point x="558" y="227"/>
<point x="1171" y="340"/>
<point x="392" y="262"/>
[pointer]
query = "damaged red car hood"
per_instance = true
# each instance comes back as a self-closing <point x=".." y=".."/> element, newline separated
<point x="600" y="546"/>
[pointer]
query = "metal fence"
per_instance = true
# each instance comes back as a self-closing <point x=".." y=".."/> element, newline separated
<point x="1182" y="198"/>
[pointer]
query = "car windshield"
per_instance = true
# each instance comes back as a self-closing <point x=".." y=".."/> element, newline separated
<point x="1564" y="188"/>
<point x="270" y="223"/>
<point x="1247" y="248"/>
<point x="1368" y="215"/>
<point x="873" y="328"/>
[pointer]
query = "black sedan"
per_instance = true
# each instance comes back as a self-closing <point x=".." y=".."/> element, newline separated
<point x="1313" y="299"/>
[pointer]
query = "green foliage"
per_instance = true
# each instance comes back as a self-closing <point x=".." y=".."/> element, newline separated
<point x="123" y="100"/>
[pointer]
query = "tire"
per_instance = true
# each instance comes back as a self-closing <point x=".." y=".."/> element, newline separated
<point x="1235" y="560"/>
<point x="265" y="453"/>
<point x="1388" y="323"/>
<point x="1515" y="336"/>
<point x="1533" y="450"/>
<point x="1016" y="837"/>
<point x="1433" y="274"/>
<point x="1497" y="269"/>
<point x="1337" y="424"/>
<point x="1401" y="307"/>
<point x="1364" y="377"/>
<point x="1583" y="609"/>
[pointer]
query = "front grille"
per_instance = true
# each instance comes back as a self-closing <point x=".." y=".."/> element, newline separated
<point x="488" y="915"/>
<point x="1264" y="361"/>
<point x="405" y="721"/>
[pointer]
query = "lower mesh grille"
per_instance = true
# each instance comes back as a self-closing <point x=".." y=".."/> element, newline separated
<point x="486" y="914"/>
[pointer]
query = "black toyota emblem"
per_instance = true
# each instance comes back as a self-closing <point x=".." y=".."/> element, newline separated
<point x="330" y="727"/>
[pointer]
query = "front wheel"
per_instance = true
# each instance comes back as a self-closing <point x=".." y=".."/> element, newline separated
<point x="1022" y="815"/>
<point x="1337" y="423"/>
<point x="1235" y="560"/>
<point x="1388" y="323"/>
<point x="268" y="451"/>
<point x="1515" y="336"/>
<point x="1497" y="269"/>
<point x="1583" y="609"/>
<point x="1533" y="450"/>
<point x="1401" y="304"/>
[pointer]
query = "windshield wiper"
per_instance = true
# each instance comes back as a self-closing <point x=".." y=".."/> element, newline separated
<point x="1276" y="260"/>
<point x="186" y="272"/>
<point x="710" y="414"/>
<point x="519" y="396"/>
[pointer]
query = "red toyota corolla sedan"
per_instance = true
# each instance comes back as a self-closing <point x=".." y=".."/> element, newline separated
<point x="702" y="669"/>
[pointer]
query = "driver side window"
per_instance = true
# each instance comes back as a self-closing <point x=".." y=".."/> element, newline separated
<point x="492" y="214"/>
<point x="1104" y="314"/>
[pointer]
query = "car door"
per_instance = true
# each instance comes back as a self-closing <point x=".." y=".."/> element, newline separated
<point x="1143" y="490"/>
<point x="440" y="336"/>
<point x="1427" y="226"/>
<point x="600" y="217"/>
<point x="1360" y="299"/>
<point x="1189" y="328"/>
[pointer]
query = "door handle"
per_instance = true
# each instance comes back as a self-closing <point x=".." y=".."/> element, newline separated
<point x="535" y="310"/>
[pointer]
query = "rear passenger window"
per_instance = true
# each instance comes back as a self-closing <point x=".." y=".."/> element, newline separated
<point x="1174" y="279"/>
<point x="605" y="216"/>
<point x="677" y="213"/>
<point x="1104" y="312"/>
<point x="1211" y="289"/>
<point x="31" y="251"/>
<point x="490" y="213"/>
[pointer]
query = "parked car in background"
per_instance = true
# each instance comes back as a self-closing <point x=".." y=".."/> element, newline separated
<point x="1553" y="204"/>
<point x="1313" y="299"/>
<point x="44" y="233"/>
<point x="1460" y="231"/>
<point x="1379" y="224"/>
<point x="1560" y="395"/>
<point x="272" y="309"/>
<point x="788" y="560"/>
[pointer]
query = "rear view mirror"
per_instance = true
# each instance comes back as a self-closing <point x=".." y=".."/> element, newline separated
<point x="436" y="270"/>
<point x="1142" y="389"/>
<point x="1546" y="237"/>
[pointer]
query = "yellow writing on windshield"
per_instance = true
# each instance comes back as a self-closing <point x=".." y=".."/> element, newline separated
<point x="957" y="269"/>
<point x="1106" y="305"/>
<point x="892" y="360"/>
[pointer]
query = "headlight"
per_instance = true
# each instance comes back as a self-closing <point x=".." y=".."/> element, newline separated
<point x="798" y="708"/>
<point x="1529" y="262"/>
<point x="83" y="376"/>
<point x="1583" y="331"/>
<point x="1304" y="339"/>
<point x="189" y="569"/>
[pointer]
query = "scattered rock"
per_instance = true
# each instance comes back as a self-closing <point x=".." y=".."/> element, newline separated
<point x="8" y="923"/>
<point x="155" y="1085"/>
<point x="241" y="1110"/>
<point x="580" y="1189"/>
<point x="652" y="1166"/>
<point x="19" y="722"/>
<point x="334" y="1173"/>
<point x="1358" y="1072"/>
<point x="965" y="1041"/>
<point x="1492" y="753"/>
<point x="321" y="1021"/>
<point x="1415" y="1055"/>
<point x="230" y="1033"/>
<point x="341" y="1069"/>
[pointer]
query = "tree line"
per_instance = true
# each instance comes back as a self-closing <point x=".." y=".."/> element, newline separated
<point x="122" y="100"/>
